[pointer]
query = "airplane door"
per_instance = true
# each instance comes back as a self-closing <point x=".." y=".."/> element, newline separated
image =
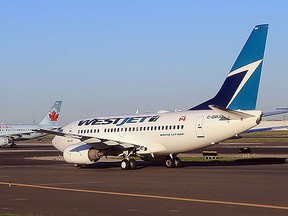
<point x="122" y="131"/>
<point x="199" y="127"/>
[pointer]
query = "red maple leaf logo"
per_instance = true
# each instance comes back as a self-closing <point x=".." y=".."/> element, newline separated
<point x="53" y="116"/>
<point x="182" y="118"/>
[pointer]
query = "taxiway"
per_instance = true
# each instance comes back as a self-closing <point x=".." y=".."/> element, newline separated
<point x="53" y="187"/>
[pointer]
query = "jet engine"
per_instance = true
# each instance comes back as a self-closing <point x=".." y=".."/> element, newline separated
<point x="81" y="154"/>
<point x="4" y="141"/>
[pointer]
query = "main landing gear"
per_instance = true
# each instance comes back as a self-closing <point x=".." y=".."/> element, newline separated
<point x="13" y="145"/>
<point x="172" y="162"/>
<point x="127" y="164"/>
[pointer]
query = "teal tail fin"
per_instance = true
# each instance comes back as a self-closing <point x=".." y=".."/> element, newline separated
<point x="240" y="89"/>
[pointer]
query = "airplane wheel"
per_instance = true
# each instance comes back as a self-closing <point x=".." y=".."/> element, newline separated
<point x="177" y="162"/>
<point x="125" y="164"/>
<point x="133" y="164"/>
<point x="170" y="163"/>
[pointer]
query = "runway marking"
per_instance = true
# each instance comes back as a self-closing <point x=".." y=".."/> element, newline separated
<point x="71" y="183"/>
<point x="147" y="196"/>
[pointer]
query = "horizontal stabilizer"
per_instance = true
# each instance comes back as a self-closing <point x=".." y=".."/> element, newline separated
<point x="230" y="114"/>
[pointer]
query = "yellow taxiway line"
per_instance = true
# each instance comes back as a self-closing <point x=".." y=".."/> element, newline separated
<point x="147" y="196"/>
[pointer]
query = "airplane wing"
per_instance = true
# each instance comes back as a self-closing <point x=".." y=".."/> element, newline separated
<point x="12" y="136"/>
<point x="16" y="135"/>
<point x="266" y="114"/>
<point x="277" y="112"/>
<point x="96" y="142"/>
<point x="266" y="129"/>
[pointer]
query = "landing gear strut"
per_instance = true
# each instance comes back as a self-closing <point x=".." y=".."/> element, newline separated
<point x="13" y="145"/>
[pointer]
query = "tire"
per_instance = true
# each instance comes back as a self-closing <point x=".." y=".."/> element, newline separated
<point x="177" y="162"/>
<point x="170" y="163"/>
<point x="133" y="164"/>
<point x="125" y="164"/>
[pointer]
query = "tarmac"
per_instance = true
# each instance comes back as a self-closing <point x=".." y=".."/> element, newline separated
<point x="34" y="180"/>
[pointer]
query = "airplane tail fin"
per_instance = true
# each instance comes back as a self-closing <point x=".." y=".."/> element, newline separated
<point x="52" y="116"/>
<point x="240" y="89"/>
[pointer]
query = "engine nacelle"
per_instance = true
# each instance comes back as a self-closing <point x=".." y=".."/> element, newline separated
<point x="4" y="141"/>
<point x="81" y="154"/>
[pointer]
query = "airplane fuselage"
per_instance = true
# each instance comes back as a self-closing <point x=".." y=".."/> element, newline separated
<point x="19" y="132"/>
<point x="161" y="133"/>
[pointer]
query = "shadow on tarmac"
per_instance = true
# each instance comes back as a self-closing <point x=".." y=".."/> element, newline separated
<point x="237" y="162"/>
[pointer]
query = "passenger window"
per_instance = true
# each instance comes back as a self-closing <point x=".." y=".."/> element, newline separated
<point x="182" y="126"/>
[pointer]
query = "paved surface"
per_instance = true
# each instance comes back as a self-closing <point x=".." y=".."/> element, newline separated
<point x="43" y="187"/>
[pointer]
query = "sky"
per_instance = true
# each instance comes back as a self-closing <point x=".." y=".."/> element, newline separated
<point x="116" y="57"/>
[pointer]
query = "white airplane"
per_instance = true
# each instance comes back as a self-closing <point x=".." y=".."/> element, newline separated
<point x="163" y="135"/>
<point x="9" y="133"/>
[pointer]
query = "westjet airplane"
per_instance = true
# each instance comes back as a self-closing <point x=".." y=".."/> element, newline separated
<point x="163" y="135"/>
<point x="9" y="133"/>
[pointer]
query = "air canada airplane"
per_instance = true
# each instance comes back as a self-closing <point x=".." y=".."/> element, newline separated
<point x="9" y="133"/>
<point x="163" y="135"/>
